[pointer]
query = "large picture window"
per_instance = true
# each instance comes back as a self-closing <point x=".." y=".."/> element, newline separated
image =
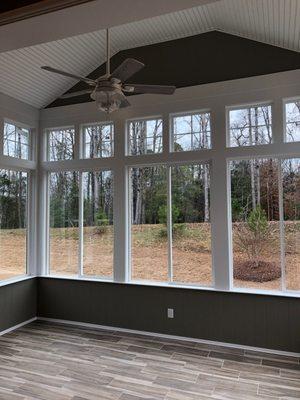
<point x="255" y="223"/>
<point x="148" y="208"/>
<point x="13" y="223"/>
<point x="145" y="136"/>
<point x="98" y="235"/>
<point x="191" y="233"/>
<point x="16" y="141"/>
<point x="61" y="144"/>
<point x="170" y="233"/>
<point x="63" y="221"/>
<point x="98" y="140"/>
<point x="250" y="126"/>
<point x="265" y="223"/>
<point x="291" y="214"/>
<point x="191" y="131"/>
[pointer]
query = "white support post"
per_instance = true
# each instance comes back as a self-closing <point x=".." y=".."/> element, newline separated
<point x="219" y="202"/>
<point x="80" y="226"/>
<point x="169" y="224"/>
<point x="121" y="221"/>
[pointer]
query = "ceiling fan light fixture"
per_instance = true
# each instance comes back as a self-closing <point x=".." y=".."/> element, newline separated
<point x="107" y="101"/>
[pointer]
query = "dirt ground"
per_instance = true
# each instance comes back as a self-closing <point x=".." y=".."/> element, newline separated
<point x="191" y="255"/>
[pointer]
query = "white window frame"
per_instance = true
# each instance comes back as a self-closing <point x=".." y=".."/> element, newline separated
<point x="80" y="264"/>
<point x="144" y="119"/>
<point x="245" y="107"/>
<point x="170" y="280"/>
<point x="183" y="114"/>
<point x="83" y="138"/>
<point x="47" y="134"/>
<point x="285" y="102"/>
<point x="31" y="138"/>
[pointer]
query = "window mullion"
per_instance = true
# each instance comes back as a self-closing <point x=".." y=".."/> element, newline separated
<point x="281" y="226"/>
<point x="169" y="223"/>
<point x="80" y="227"/>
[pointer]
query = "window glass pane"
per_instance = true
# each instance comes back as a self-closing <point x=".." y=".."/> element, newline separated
<point x="292" y="112"/>
<point x="61" y="144"/>
<point x="255" y="223"/>
<point x="250" y="126"/>
<point x="191" y="132"/>
<point x="13" y="224"/>
<point x="63" y="190"/>
<point x="16" y="140"/>
<point x="145" y="136"/>
<point x="191" y="233"/>
<point x="291" y="211"/>
<point x="99" y="140"/>
<point x="98" y="235"/>
<point x="149" y="242"/>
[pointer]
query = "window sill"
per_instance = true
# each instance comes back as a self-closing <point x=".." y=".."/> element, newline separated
<point x="294" y="294"/>
<point x="16" y="279"/>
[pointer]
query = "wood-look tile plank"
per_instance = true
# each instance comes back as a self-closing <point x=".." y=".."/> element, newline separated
<point x="45" y="361"/>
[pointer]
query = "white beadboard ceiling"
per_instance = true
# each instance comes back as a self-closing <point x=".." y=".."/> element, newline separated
<point x="275" y="22"/>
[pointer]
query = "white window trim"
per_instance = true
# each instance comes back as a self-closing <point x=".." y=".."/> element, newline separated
<point x="183" y="114"/>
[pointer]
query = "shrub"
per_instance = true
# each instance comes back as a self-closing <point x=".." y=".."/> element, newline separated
<point x="254" y="235"/>
<point x="102" y="223"/>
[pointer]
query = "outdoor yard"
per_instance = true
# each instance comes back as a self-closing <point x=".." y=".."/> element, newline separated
<point x="191" y="253"/>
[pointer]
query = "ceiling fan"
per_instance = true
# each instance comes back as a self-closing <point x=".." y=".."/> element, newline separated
<point x="108" y="90"/>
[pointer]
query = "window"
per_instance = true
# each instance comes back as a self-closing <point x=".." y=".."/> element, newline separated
<point x="149" y="242"/>
<point x="145" y="136"/>
<point x="16" y="141"/>
<point x="98" y="235"/>
<point x="61" y="144"/>
<point x="191" y="132"/>
<point x="292" y="114"/>
<point x="255" y="223"/>
<point x="98" y="140"/>
<point x="191" y="233"/>
<point x="63" y="218"/>
<point x="250" y="126"/>
<point x="177" y="248"/>
<point x="291" y="215"/>
<point x="13" y="223"/>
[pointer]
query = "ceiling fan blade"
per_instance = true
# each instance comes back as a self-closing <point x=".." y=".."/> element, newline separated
<point x="125" y="103"/>
<point x="155" y="89"/>
<point x="128" y="68"/>
<point x="80" y="78"/>
<point x="74" y="94"/>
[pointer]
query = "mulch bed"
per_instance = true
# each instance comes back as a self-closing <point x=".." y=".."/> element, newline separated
<point x="264" y="272"/>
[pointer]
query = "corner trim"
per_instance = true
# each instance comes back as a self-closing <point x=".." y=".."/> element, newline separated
<point x="13" y="328"/>
<point x="165" y="336"/>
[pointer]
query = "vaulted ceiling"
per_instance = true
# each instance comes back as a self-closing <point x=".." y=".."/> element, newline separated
<point x="275" y="22"/>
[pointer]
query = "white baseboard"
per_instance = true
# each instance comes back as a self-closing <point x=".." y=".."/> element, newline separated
<point x="13" y="328"/>
<point x="164" y="336"/>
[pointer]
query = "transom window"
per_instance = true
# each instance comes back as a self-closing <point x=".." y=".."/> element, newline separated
<point x="61" y="144"/>
<point x="98" y="140"/>
<point x="145" y="136"/>
<point x="16" y="141"/>
<point x="191" y="131"/>
<point x="250" y="126"/>
<point x="292" y="123"/>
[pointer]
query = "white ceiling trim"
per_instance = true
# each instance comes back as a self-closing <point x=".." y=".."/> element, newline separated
<point x="275" y="22"/>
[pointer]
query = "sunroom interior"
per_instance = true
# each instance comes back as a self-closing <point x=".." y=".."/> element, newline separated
<point x="150" y="252"/>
